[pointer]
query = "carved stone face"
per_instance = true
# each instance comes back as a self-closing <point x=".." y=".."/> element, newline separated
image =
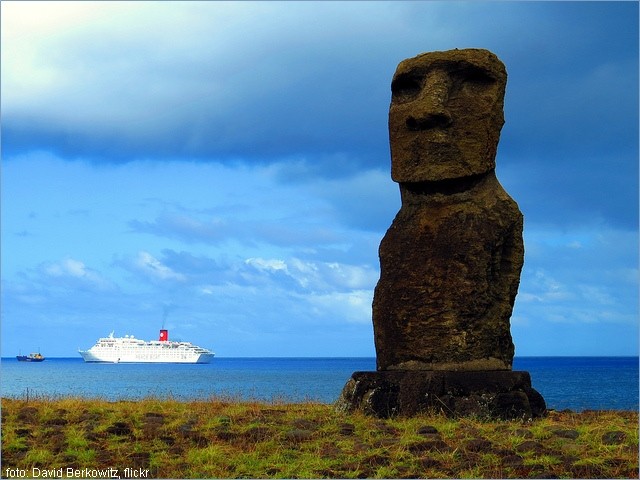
<point x="446" y="115"/>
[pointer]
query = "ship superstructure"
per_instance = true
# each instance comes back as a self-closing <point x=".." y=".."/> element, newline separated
<point x="129" y="349"/>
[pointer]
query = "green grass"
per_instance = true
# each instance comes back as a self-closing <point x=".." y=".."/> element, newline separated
<point x="229" y="439"/>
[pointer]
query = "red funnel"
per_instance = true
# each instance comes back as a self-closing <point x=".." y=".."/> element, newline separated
<point x="164" y="335"/>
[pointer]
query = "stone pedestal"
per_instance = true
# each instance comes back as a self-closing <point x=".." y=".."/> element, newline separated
<point x="485" y="394"/>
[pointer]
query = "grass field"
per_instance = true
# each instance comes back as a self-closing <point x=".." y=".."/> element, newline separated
<point x="155" y="438"/>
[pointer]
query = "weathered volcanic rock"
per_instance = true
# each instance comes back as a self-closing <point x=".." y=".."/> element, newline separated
<point x="450" y="269"/>
<point x="450" y="262"/>
<point x="446" y="114"/>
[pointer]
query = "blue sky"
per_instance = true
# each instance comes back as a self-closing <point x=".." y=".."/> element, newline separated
<point x="223" y="168"/>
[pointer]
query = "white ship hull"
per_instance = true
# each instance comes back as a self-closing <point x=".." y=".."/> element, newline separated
<point x="112" y="357"/>
<point x="131" y="350"/>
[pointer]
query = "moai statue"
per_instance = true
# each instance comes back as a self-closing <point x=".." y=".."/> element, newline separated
<point x="450" y="262"/>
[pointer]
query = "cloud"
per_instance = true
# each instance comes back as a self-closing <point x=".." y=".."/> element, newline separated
<point x="189" y="228"/>
<point x="280" y="212"/>
<point x="74" y="273"/>
<point x="184" y="227"/>
<point x="191" y="83"/>
<point x="272" y="265"/>
<point x="319" y="276"/>
<point x="353" y="307"/>
<point x="579" y="279"/>
<point x="547" y="289"/>
<point x="310" y="79"/>
<point x="194" y="266"/>
<point x="293" y="278"/>
<point x="153" y="269"/>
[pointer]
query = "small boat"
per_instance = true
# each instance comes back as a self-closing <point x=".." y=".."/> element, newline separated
<point x="32" y="357"/>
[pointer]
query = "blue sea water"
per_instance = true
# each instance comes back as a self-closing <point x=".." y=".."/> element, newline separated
<point x="576" y="383"/>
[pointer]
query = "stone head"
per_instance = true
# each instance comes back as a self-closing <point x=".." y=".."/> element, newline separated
<point x="446" y="115"/>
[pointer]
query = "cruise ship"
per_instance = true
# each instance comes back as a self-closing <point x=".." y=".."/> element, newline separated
<point x="129" y="349"/>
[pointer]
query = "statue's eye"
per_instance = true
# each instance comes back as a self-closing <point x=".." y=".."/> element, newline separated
<point x="476" y="76"/>
<point x="470" y="80"/>
<point x="405" y="86"/>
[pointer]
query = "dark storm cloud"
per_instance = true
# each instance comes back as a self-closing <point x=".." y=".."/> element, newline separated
<point x="281" y="87"/>
<point x="308" y="84"/>
<point x="259" y="88"/>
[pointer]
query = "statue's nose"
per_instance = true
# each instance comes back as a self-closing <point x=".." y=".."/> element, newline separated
<point x="430" y="109"/>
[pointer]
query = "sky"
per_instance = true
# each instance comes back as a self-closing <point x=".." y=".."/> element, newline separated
<point x="222" y="169"/>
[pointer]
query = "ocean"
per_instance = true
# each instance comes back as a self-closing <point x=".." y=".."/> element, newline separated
<point x="576" y="383"/>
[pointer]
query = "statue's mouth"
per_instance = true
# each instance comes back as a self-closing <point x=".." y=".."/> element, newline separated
<point x="447" y="187"/>
<point x="429" y="122"/>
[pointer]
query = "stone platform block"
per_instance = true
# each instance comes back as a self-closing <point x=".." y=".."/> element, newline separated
<point x="484" y="394"/>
